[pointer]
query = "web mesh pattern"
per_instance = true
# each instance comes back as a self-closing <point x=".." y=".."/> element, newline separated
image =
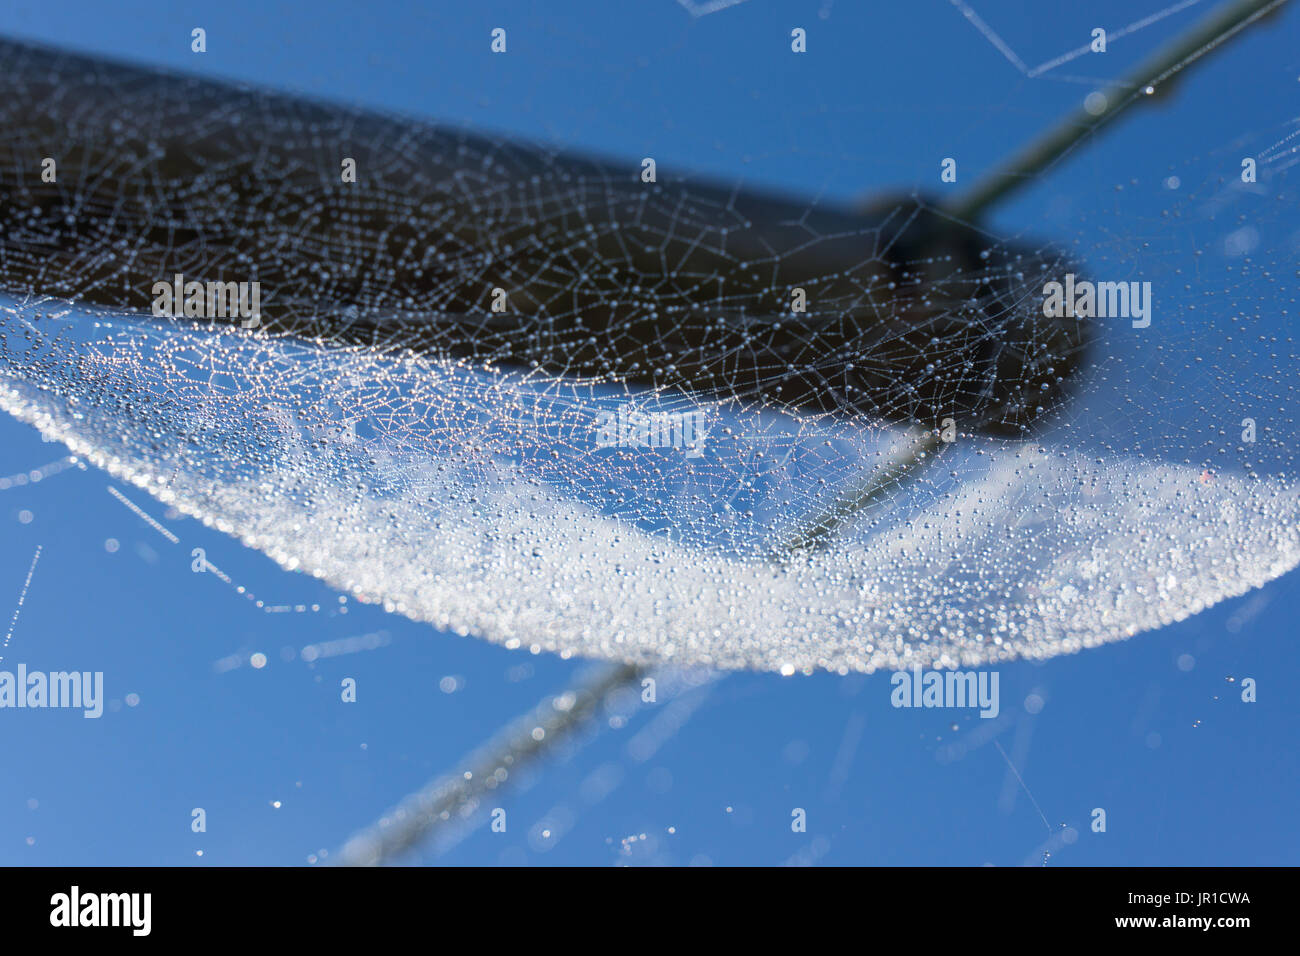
<point x="616" y="462"/>
<point x="898" y="312"/>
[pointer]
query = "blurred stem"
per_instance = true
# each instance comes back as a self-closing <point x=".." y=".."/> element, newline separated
<point x="1022" y="169"/>
<point x="450" y="800"/>
<point x="879" y="484"/>
<point x="1222" y="24"/>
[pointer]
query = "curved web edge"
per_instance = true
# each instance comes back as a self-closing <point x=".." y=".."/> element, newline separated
<point x="1023" y="550"/>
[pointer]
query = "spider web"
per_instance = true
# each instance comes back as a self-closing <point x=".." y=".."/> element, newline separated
<point x="388" y="431"/>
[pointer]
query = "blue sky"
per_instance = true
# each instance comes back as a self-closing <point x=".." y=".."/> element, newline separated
<point x="1149" y="729"/>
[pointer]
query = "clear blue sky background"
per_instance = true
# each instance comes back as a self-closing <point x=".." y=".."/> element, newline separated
<point x="1186" y="773"/>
